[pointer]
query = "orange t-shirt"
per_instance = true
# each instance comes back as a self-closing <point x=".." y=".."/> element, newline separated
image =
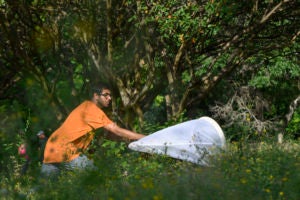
<point x="75" y="134"/>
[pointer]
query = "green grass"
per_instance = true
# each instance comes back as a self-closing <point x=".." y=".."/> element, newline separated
<point x="244" y="171"/>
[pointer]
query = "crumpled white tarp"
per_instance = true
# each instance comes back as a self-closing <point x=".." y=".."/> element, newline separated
<point x="194" y="141"/>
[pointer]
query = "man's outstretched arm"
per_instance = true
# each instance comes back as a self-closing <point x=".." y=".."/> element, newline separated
<point x="114" y="128"/>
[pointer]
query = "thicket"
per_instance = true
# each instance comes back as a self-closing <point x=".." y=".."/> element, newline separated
<point x="167" y="62"/>
<point x="262" y="170"/>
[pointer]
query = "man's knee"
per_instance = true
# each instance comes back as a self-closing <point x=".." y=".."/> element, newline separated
<point x="49" y="170"/>
<point x="81" y="162"/>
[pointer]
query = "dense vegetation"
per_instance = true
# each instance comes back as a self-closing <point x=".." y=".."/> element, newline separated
<point x="167" y="62"/>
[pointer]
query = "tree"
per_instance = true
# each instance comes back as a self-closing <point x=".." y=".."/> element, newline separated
<point x="204" y="42"/>
<point x="179" y="50"/>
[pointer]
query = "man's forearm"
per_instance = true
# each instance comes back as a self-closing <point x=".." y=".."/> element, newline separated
<point x="123" y="132"/>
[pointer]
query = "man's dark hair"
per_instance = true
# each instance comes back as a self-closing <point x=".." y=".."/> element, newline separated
<point x="99" y="87"/>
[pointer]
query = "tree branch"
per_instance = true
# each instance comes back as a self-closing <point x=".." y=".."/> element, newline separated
<point x="293" y="106"/>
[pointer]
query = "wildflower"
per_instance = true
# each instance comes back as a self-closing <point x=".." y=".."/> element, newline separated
<point x="243" y="180"/>
<point x="281" y="193"/>
<point x="284" y="179"/>
<point x="147" y="185"/>
<point x="267" y="190"/>
<point x="157" y="197"/>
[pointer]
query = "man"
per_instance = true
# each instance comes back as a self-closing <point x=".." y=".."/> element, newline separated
<point x="42" y="143"/>
<point x="65" y="146"/>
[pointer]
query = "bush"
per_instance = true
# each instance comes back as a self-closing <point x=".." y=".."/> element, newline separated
<point x="261" y="170"/>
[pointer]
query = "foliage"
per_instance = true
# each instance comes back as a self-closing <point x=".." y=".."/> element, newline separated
<point x="293" y="128"/>
<point x="146" y="49"/>
<point x="167" y="62"/>
<point x="263" y="169"/>
<point x="259" y="170"/>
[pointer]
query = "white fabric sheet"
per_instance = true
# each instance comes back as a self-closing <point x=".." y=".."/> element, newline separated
<point x="194" y="141"/>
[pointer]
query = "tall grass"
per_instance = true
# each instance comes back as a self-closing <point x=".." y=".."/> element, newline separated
<point x="263" y="170"/>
